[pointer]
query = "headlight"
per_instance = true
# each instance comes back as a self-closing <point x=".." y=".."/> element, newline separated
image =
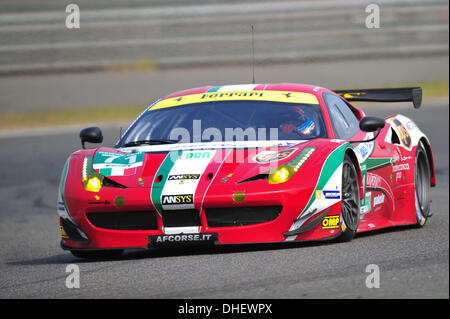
<point x="283" y="173"/>
<point x="91" y="180"/>
<point x="93" y="183"/>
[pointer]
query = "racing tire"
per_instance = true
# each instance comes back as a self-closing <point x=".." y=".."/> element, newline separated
<point x="98" y="254"/>
<point x="350" y="202"/>
<point x="422" y="176"/>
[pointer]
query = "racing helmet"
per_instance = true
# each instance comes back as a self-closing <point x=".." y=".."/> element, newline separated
<point x="298" y="122"/>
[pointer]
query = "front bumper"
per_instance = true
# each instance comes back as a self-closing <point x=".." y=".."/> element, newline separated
<point x="274" y="226"/>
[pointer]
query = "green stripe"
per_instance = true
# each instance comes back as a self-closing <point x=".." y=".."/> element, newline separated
<point x="62" y="183"/>
<point x="105" y="171"/>
<point x="329" y="167"/>
<point x="375" y="163"/>
<point x="214" y="89"/>
<point x="163" y="170"/>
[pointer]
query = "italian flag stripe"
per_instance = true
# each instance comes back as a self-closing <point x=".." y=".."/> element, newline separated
<point x="163" y="170"/>
<point x="329" y="167"/>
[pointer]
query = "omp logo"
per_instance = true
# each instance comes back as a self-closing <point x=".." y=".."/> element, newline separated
<point x="177" y="199"/>
<point x="330" y="222"/>
<point x="183" y="176"/>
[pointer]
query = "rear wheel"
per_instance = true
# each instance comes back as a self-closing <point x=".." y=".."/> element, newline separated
<point x="350" y="202"/>
<point x="422" y="185"/>
<point x="98" y="254"/>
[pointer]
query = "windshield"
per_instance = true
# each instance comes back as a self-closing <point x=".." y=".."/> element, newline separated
<point x="227" y="121"/>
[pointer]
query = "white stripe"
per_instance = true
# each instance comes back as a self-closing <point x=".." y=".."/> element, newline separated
<point x="186" y="165"/>
<point x="213" y="145"/>
<point x="237" y="87"/>
<point x="181" y="230"/>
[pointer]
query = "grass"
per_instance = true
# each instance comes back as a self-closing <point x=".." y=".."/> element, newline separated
<point x="431" y="90"/>
<point x="127" y="113"/>
<point x="98" y="115"/>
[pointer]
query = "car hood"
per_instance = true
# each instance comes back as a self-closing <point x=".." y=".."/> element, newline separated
<point x="153" y="165"/>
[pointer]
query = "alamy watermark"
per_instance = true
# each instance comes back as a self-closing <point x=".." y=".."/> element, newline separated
<point x="373" y="17"/>
<point x="73" y="279"/>
<point x="213" y="134"/>
<point x="373" y="279"/>
<point x="73" y="17"/>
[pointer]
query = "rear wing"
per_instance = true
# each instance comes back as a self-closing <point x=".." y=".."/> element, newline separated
<point x="412" y="94"/>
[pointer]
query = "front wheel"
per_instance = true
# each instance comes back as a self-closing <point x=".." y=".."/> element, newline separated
<point x="350" y="201"/>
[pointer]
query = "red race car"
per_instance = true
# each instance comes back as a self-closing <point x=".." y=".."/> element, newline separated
<point x="248" y="163"/>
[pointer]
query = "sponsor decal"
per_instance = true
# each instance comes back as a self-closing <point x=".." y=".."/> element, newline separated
<point x="364" y="150"/>
<point x="182" y="238"/>
<point x="353" y="94"/>
<point x="410" y="125"/>
<point x="225" y="179"/>
<point x="400" y="167"/>
<point x="373" y="180"/>
<point x="269" y="156"/>
<point x="331" y="222"/>
<point x="402" y="132"/>
<point x="63" y="233"/>
<point x="321" y="194"/>
<point x="238" y="95"/>
<point x="177" y="199"/>
<point x="115" y="164"/>
<point x="365" y="207"/>
<point x="183" y="176"/>
<point x="196" y="155"/>
<point x="379" y="199"/>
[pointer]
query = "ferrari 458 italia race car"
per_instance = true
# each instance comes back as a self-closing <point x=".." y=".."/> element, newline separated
<point x="251" y="163"/>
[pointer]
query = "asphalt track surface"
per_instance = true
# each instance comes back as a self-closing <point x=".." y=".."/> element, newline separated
<point x="413" y="263"/>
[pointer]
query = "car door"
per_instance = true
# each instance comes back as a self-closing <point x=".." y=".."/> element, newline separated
<point x="375" y="160"/>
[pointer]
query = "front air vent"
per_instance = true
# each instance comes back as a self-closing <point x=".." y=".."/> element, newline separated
<point x="180" y="218"/>
<point x="241" y="216"/>
<point x="255" y="178"/>
<point x="110" y="183"/>
<point x="130" y="220"/>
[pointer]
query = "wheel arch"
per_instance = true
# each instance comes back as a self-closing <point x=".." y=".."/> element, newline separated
<point x="426" y="145"/>
<point x="351" y="153"/>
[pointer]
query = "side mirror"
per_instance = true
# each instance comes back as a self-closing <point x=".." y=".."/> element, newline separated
<point x="91" y="135"/>
<point x="371" y="123"/>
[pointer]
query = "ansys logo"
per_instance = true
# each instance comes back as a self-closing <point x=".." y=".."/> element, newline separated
<point x="177" y="199"/>
<point x="183" y="176"/>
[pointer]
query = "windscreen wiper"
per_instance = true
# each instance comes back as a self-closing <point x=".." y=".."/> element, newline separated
<point x="150" y="142"/>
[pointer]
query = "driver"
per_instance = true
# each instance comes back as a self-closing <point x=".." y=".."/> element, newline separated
<point x="299" y="124"/>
